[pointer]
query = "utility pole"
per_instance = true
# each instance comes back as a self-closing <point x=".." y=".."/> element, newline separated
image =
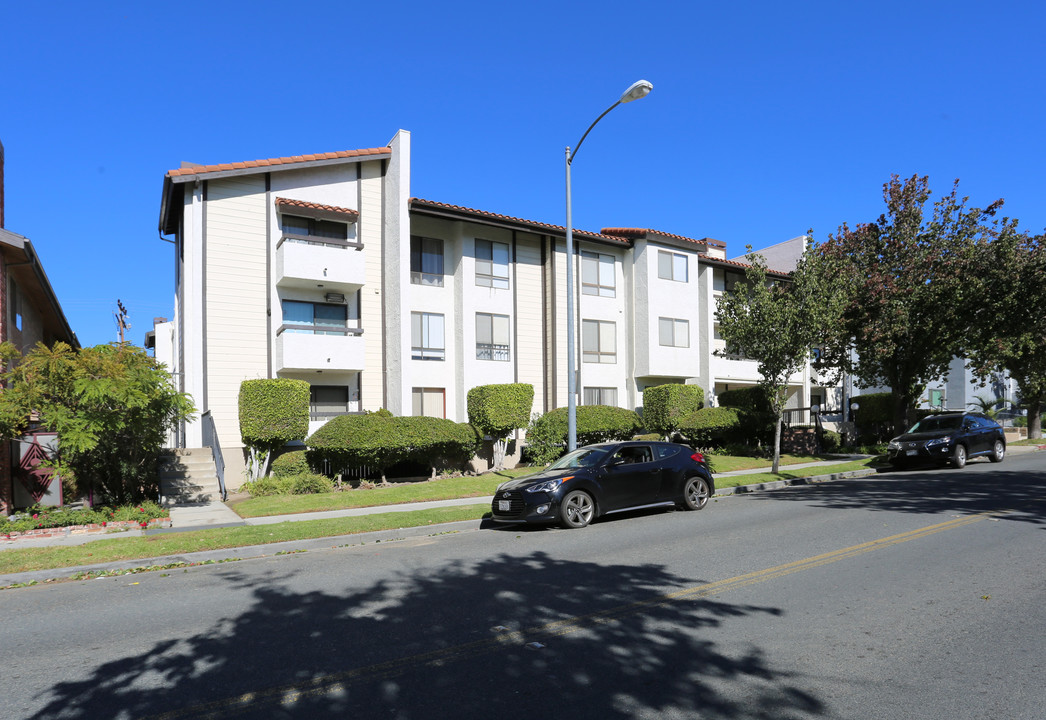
<point x="121" y="320"/>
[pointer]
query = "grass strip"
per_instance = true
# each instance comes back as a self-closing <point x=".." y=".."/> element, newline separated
<point x="757" y="478"/>
<point x="118" y="550"/>
<point x="443" y="489"/>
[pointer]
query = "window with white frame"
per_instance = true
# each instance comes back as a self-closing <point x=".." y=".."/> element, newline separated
<point x="600" y="396"/>
<point x="313" y="318"/>
<point x="492" y="337"/>
<point x="426" y="261"/>
<point x="599" y="341"/>
<point x="597" y="274"/>
<point x="426" y="336"/>
<point x="430" y="402"/>
<point x="674" y="332"/>
<point x="491" y="264"/>
<point x="672" y="266"/>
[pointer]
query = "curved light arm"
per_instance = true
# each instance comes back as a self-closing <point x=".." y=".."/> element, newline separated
<point x="638" y="89"/>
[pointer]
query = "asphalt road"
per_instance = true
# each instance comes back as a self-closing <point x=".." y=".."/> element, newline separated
<point x="910" y="595"/>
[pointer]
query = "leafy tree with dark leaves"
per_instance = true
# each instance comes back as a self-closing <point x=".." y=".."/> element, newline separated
<point x="1009" y="325"/>
<point x="908" y="282"/>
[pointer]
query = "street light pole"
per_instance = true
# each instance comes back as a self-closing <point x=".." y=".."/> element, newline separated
<point x="635" y="91"/>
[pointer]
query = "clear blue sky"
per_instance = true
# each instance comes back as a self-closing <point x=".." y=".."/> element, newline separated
<point x="766" y="118"/>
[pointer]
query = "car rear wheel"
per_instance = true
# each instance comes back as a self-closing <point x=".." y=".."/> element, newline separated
<point x="998" y="451"/>
<point x="576" y="510"/>
<point x="959" y="457"/>
<point x="696" y="493"/>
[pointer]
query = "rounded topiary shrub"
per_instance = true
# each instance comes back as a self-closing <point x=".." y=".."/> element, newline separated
<point x="831" y="441"/>
<point x="664" y="406"/>
<point x="291" y="463"/>
<point x="547" y="434"/>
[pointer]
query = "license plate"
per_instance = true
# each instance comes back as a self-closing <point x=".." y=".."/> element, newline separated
<point x="504" y="505"/>
<point x="912" y="452"/>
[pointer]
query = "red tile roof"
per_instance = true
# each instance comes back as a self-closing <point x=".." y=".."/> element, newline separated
<point x="459" y="209"/>
<point x="633" y="233"/>
<point x="275" y="162"/>
<point x="287" y="202"/>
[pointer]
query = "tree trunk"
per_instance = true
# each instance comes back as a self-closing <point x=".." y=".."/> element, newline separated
<point x="1034" y="406"/>
<point x="499" y="447"/>
<point x="777" y="442"/>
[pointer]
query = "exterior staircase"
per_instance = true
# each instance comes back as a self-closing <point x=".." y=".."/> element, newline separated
<point x="188" y="476"/>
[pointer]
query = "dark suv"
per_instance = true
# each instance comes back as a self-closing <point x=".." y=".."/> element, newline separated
<point x="949" y="438"/>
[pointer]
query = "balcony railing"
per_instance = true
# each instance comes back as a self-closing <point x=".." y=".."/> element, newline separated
<point x="491" y="351"/>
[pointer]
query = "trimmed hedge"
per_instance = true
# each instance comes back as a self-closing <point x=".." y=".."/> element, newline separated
<point x="754" y="399"/>
<point x="547" y="434"/>
<point x="378" y="441"/>
<point x="497" y="410"/>
<point x="291" y="463"/>
<point x="664" y="406"/>
<point x="757" y="420"/>
<point x="713" y="427"/>
<point x="273" y="411"/>
<point x="874" y="408"/>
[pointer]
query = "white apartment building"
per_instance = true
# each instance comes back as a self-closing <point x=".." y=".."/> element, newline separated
<point x="324" y="268"/>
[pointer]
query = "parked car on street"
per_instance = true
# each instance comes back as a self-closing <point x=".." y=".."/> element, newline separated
<point x="610" y="477"/>
<point x="949" y="438"/>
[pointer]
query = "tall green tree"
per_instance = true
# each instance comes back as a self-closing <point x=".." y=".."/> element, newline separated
<point x="111" y="405"/>
<point x="1009" y="325"/>
<point x="907" y="278"/>
<point x="272" y="412"/>
<point x="499" y="410"/>
<point x="777" y="324"/>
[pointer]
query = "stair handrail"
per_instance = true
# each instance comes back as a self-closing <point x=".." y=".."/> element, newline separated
<point x="210" y="439"/>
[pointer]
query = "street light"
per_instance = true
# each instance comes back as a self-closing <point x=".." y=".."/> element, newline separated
<point x="635" y="91"/>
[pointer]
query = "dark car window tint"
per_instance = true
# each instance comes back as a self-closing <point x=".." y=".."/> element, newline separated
<point x="629" y="455"/>
<point x="666" y="451"/>
<point x="932" y="424"/>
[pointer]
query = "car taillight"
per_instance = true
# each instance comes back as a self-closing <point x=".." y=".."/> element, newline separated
<point x="697" y="457"/>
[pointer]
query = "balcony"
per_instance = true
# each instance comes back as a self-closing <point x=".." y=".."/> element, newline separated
<point x="303" y="347"/>
<point x="305" y="262"/>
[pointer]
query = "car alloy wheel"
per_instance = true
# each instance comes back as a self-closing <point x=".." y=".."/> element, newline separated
<point x="998" y="451"/>
<point x="576" y="510"/>
<point x="696" y="493"/>
<point x="959" y="457"/>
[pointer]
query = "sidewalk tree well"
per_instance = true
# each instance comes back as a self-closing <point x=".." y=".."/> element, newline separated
<point x="908" y="280"/>
<point x="776" y="323"/>
<point x="111" y="405"/>
<point x="273" y="412"/>
<point x="497" y="411"/>
<point x="664" y="406"/>
<point x="1009" y="325"/>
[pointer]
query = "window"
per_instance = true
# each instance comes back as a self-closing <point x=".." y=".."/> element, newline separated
<point x="327" y="401"/>
<point x="600" y="396"/>
<point x="492" y="337"/>
<point x="632" y="455"/>
<point x="300" y="229"/>
<point x="491" y="264"/>
<point x="671" y="266"/>
<point x="15" y="300"/>
<point x="937" y="398"/>
<point x="597" y="274"/>
<point x="426" y="336"/>
<point x="431" y="402"/>
<point x="674" y="333"/>
<point x="598" y="341"/>
<point x="426" y="261"/>
<point x="314" y="318"/>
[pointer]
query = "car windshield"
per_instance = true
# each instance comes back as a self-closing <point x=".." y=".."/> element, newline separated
<point x="933" y="424"/>
<point x="582" y="457"/>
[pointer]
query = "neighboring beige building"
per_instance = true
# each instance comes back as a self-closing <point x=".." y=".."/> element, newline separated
<point x="324" y="268"/>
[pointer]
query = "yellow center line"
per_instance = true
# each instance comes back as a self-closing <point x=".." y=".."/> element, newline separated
<point x="337" y="682"/>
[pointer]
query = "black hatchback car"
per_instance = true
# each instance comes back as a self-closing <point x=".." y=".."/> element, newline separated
<point x="598" y="479"/>
<point x="949" y="438"/>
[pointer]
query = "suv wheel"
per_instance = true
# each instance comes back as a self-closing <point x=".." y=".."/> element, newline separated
<point x="998" y="451"/>
<point x="959" y="457"/>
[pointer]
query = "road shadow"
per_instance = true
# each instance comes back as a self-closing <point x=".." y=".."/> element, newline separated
<point x="507" y="637"/>
<point x="1007" y="488"/>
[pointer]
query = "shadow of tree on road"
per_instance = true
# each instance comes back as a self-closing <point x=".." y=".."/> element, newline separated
<point x="613" y="642"/>
<point x="978" y="488"/>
